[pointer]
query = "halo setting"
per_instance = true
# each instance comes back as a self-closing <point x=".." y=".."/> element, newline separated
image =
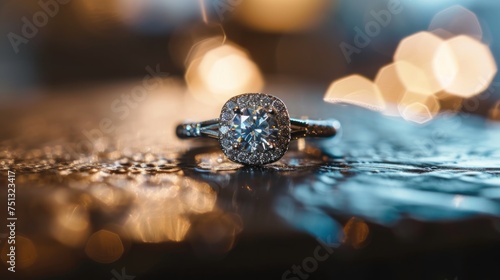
<point x="254" y="129"/>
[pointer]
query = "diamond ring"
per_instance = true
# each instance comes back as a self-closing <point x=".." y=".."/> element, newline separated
<point x="256" y="129"/>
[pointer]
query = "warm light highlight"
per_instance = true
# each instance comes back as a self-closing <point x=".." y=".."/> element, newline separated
<point x="356" y="232"/>
<point x="495" y="112"/>
<point x="475" y="66"/>
<point x="222" y="72"/>
<point x="26" y="252"/>
<point x="391" y="88"/>
<point x="215" y="233"/>
<point x="70" y="225"/>
<point x="225" y="72"/>
<point x="162" y="212"/>
<point x="356" y="90"/>
<point x="282" y="15"/>
<point x="416" y="56"/>
<point x="418" y="108"/>
<point x="104" y="246"/>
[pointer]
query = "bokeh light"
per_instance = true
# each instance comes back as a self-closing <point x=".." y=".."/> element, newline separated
<point x="418" y="108"/>
<point x="432" y="72"/>
<point x="416" y="56"/>
<point x="495" y="112"/>
<point x="98" y="16"/>
<point x="26" y="253"/>
<point x="475" y="66"/>
<point x="216" y="73"/>
<point x="200" y="47"/>
<point x="104" y="246"/>
<point x="193" y="40"/>
<point x="356" y="232"/>
<point x="456" y="20"/>
<point x="391" y="88"/>
<point x="70" y="225"/>
<point x="215" y="233"/>
<point x="356" y="90"/>
<point x="162" y="212"/>
<point x="282" y="15"/>
<point x="105" y="196"/>
<point x="226" y="70"/>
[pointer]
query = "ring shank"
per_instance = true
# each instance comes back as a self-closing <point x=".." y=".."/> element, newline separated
<point x="299" y="129"/>
<point x="209" y="129"/>
<point x="314" y="128"/>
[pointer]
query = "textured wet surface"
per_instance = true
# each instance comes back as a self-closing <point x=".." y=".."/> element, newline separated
<point x="387" y="191"/>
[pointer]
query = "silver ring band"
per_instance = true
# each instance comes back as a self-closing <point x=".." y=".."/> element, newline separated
<point x="299" y="129"/>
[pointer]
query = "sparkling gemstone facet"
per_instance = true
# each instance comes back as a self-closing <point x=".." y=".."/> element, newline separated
<point x="254" y="128"/>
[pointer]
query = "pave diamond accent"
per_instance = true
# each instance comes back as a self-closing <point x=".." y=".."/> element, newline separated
<point x="255" y="129"/>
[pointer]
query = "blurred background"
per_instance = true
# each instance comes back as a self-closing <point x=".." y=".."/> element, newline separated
<point x="91" y="91"/>
<point x="409" y="59"/>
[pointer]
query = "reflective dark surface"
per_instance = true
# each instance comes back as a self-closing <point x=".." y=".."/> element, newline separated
<point x="388" y="200"/>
